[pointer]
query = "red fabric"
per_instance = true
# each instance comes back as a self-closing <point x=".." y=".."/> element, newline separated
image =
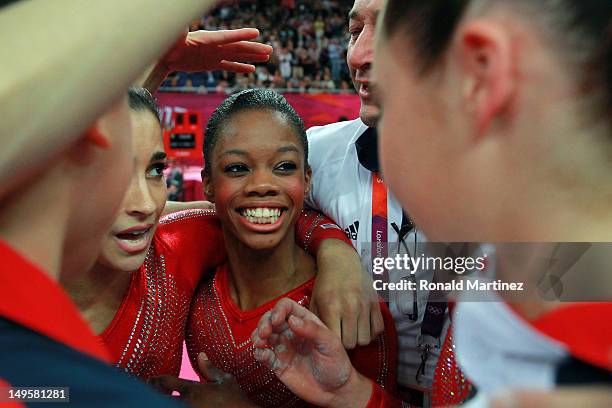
<point x="584" y="328"/>
<point x="382" y="399"/>
<point x="450" y="386"/>
<point x="4" y="395"/>
<point x="222" y="331"/>
<point x="29" y="297"/>
<point x="147" y="332"/>
<point x="313" y="227"/>
<point x="146" y="335"/>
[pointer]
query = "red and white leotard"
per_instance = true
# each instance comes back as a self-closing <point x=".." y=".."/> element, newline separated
<point x="220" y="329"/>
<point x="146" y="335"/>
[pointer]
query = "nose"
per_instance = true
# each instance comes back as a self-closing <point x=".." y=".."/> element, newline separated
<point x="138" y="200"/>
<point x="361" y="54"/>
<point x="261" y="184"/>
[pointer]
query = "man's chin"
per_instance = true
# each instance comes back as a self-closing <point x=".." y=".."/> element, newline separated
<point x="369" y="114"/>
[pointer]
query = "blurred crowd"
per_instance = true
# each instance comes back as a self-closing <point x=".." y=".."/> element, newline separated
<point x="309" y="37"/>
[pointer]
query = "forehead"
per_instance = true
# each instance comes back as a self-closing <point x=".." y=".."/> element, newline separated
<point x="146" y="133"/>
<point x="257" y="129"/>
<point x="365" y="10"/>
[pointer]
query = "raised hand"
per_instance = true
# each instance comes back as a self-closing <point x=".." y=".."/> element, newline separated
<point x="308" y="358"/>
<point x="216" y="50"/>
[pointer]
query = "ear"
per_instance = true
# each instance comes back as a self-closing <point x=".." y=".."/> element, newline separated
<point x="307" y="180"/>
<point x="94" y="135"/>
<point x="207" y="186"/>
<point x="487" y="59"/>
<point x="83" y="150"/>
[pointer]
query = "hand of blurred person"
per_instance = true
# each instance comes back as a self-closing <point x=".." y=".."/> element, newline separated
<point x="226" y="50"/>
<point x="308" y="357"/>
<point x="222" y="390"/>
<point x="343" y="296"/>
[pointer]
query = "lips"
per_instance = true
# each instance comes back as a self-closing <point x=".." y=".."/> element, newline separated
<point x="364" y="90"/>
<point x="135" y="239"/>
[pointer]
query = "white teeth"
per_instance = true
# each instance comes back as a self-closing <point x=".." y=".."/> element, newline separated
<point x="261" y="215"/>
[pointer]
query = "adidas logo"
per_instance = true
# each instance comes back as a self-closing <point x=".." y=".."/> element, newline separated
<point x="352" y="230"/>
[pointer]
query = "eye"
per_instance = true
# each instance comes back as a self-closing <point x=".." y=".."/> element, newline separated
<point x="286" y="167"/>
<point x="354" y="32"/>
<point x="157" y="170"/>
<point x="236" y="169"/>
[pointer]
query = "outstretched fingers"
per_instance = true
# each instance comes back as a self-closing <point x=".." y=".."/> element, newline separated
<point x="221" y="37"/>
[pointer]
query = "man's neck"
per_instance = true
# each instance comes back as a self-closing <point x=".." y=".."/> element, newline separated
<point x="33" y="220"/>
<point x="257" y="277"/>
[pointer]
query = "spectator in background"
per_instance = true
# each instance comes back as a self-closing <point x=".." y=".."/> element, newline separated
<point x="174" y="183"/>
<point x="284" y="58"/>
<point x="308" y="36"/>
<point x="319" y="28"/>
<point x="335" y="58"/>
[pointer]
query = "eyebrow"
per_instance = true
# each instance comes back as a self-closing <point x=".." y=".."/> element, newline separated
<point x="158" y="156"/>
<point x="356" y="15"/>
<point x="234" y="151"/>
<point x="285" y="149"/>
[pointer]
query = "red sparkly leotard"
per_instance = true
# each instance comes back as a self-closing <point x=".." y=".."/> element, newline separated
<point x="220" y="329"/>
<point x="146" y="335"/>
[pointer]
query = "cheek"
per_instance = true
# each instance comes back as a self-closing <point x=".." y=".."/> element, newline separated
<point x="107" y="250"/>
<point x="391" y="153"/>
<point x="225" y="189"/>
<point x="295" y="189"/>
<point x="159" y="194"/>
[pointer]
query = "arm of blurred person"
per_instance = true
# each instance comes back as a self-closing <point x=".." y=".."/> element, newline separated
<point x="343" y="296"/>
<point x="311" y="361"/>
<point x="202" y="50"/>
<point x="65" y="62"/>
<point x="175" y="206"/>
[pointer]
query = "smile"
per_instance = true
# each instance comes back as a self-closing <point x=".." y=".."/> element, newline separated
<point x="261" y="215"/>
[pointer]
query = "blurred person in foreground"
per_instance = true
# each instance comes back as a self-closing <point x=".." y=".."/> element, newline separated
<point x="72" y="153"/>
<point x="349" y="187"/>
<point x="510" y="108"/>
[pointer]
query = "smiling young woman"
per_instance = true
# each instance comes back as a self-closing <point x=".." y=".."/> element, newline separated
<point x="257" y="174"/>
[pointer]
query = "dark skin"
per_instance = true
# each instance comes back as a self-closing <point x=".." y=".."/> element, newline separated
<point x="258" y="162"/>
